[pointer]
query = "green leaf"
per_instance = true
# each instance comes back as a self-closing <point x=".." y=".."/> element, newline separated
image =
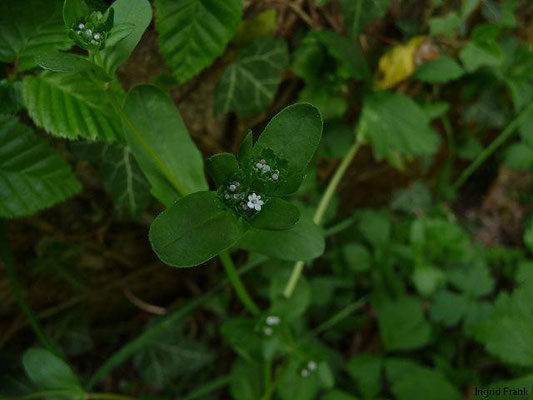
<point x="246" y="380"/>
<point x="30" y="27"/>
<point x="357" y="257"/>
<point x="448" y="308"/>
<point x="445" y="26"/>
<point x="63" y="62"/>
<point x="365" y="369"/>
<point x="402" y="324"/>
<point x="193" y="230"/>
<point x="121" y="176"/>
<point x="243" y="338"/>
<point x="161" y="144"/>
<point x="441" y="70"/>
<point x="276" y="214"/>
<point x="49" y="372"/>
<point x="193" y="33"/>
<point x="293" y="135"/>
<point x="294" y="385"/>
<point x="375" y="227"/>
<point x="337" y="395"/>
<point x="427" y="279"/>
<point x="393" y="122"/>
<point x="483" y="48"/>
<point x="169" y="356"/>
<point x="331" y="103"/>
<point x="473" y="279"/>
<point x="248" y="85"/>
<point x="519" y="156"/>
<point x="32" y="175"/>
<point x="424" y="384"/>
<point x="303" y="242"/>
<point x="358" y="13"/>
<point x="118" y="33"/>
<point x="246" y="148"/>
<point x="70" y="106"/>
<point x="508" y="332"/>
<point x="296" y="305"/>
<point x="73" y="11"/>
<point x="135" y="12"/>
<point x="222" y="167"/>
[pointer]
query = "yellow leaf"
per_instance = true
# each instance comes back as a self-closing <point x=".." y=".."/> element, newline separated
<point x="263" y="24"/>
<point x="399" y="63"/>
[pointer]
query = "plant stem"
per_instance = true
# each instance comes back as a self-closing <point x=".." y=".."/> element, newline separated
<point x="148" y="335"/>
<point x="502" y="137"/>
<point x="9" y="266"/>
<point x="233" y="277"/>
<point x="212" y="386"/>
<point x="336" y="318"/>
<point x="322" y="208"/>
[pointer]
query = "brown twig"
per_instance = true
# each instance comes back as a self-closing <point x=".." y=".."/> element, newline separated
<point x="141" y="304"/>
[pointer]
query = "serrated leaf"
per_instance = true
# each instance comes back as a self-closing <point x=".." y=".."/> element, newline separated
<point x="159" y="139"/>
<point x="393" y="122"/>
<point x="193" y="33"/>
<point x="32" y="175"/>
<point x="448" y="307"/>
<point x="70" y="105"/>
<point x="508" y="332"/>
<point x="31" y="27"/>
<point x="126" y="13"/>
<point x="121" y="176"/>
<point x="248" y="85"/>
<point x="193" y="230"/>
<point x="358" y="13"/>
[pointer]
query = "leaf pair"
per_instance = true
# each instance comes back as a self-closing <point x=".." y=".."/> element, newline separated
<point x="202" y="224"/>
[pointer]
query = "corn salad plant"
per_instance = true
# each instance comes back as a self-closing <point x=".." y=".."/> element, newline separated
<point x="309" y="282"/>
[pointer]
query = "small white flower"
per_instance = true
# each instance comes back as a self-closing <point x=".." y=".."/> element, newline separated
<point x="97" y="36"/>
<point x="81" y="26"/>
<point x="275" y="176"/>
<point x="267" y="331"/>
<point x="93" y="41"/>
<point x="272" y="320"/>
<point x="227" y="196"/>
<point x="259" y="165"/>
<point x="78" y="32"/>
<point x="311" y="365"/>
<point x="255" y="202"/>
<point x="266" y="168"/>
<point x="232" y="187"/>
<point x="89" y="32"/>
<point x="304" y="373"/>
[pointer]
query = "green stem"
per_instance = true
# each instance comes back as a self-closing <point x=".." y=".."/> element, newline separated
<point x="212" y="386"/>
<point x="9" y="266"/>
<point x="151" y="334"/>
<point x="486" y="153"/>
<point x="233" y="277"/>
<point x="322" y="208"/>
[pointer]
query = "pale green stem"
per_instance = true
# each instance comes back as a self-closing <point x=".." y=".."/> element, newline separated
<point x="235" y="280"/>
<point x="486" y="153"/>
<point x="322" y="208"/>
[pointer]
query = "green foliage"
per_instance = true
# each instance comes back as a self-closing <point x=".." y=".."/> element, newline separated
<point x="63" y="62"/>
<point x="131" y="18"/>
<point x="365" y="369"/>
<point x="423" y="384"/>
<point x="36" y="178"/>
<point x="193" y="230"/>
<point x="193" y="33"/>
<point x="121" y="176"/>
<point x="29" y="28"/>
<point x="395" y="124"/>
<point x="161" y="144"/>
<point x="248" y="85"/>
<point x="49" y="372"/>
<point x="443" y="69"/>
<point x="402" y="324"/>
<point x="85" y="110"/>
<point x="358" y="13"/>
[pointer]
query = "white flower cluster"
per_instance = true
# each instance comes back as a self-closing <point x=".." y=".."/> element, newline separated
<point x="234" y="193"/>
<point x="88" y="34"/>
<point x="262" y="167"/>
<point x="271" y="320"/>
<point x="311" y="367"/>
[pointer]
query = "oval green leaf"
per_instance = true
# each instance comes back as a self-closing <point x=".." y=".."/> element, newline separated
<point x="193" y="230"/>
<point x="277" y="214"/>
